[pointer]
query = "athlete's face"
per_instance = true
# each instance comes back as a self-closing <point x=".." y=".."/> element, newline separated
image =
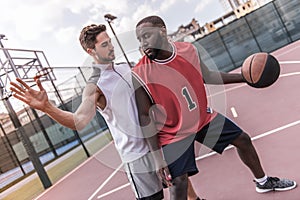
<point x="150" y="38"/>
<point x="104" y="50"/>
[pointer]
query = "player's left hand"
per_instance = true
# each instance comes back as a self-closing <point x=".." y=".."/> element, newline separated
<point x="165" y="176"/>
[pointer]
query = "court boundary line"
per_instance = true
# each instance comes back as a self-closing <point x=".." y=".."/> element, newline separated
<point x="73" y="171"/>
<point x="114" y="190"/>
<point x="276" y="130"/>
<point x="229" y="147"/>
<point x="289" y="62"/>
<point x="198" y="158"/>
<point x="105" y="182"/>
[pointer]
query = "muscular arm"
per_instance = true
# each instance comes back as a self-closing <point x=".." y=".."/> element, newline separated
<point x="144" y="106"/>
<point x="82" y="116"/>
<point x="144" y="109"/>
<point x="217" y="77"/>
<point x="39" y="100"/>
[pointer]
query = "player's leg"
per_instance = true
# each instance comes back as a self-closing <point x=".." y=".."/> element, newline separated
<point x="178" y="191"/>
<point x="191" y="192"/>
<point x="180" y="157"/>
<point x="221" y="132"/>
<point x="143" y="178"/>
<point x="248" y="154"/>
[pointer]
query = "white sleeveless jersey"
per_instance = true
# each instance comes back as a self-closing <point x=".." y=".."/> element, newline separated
<point x="120" y="112"/>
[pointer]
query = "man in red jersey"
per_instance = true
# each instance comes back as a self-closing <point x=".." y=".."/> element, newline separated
<point x="172" y="103"/>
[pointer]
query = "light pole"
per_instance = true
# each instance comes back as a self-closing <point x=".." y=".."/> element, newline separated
<point x="109" y="18"/>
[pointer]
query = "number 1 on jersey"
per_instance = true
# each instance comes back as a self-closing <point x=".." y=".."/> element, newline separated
<point x="192" y="105"/>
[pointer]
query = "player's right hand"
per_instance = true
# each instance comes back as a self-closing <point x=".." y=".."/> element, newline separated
<point x="34" y="98"/>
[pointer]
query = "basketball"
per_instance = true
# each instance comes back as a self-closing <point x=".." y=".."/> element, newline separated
<point x="260" y="70"/>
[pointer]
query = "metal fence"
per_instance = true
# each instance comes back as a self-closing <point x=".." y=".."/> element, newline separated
<point x="50" y="139"/>
<point x="266" y="29"/>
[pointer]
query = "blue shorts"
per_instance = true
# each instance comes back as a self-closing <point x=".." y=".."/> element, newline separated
<point x="180" y="157"/>
<point x="218" y="134"/>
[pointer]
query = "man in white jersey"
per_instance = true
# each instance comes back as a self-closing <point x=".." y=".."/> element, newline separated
<point x="110" y="91"/>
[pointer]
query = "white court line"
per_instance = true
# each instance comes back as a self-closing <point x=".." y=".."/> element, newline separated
<point x="290" y="74"/>
<point x="229" y="147"/>
<point x="213" y="153"/>
<point x="234" y="113"/>
<point x="112" y="191"/>
<point x="73" y="171"/>
<point x="105" y="182"/>
<point x="256" y="137"/>
<point x="289" y="62"/>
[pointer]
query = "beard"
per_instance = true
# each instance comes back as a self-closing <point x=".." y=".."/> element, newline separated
<point x="152" y="53"/>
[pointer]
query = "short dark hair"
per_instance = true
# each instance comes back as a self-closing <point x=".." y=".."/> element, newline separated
<point x="88" y="35"/>
<point x="155" y="20"/>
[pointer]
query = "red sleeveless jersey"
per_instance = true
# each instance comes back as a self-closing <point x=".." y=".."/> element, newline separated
<point x="176" y="87"/>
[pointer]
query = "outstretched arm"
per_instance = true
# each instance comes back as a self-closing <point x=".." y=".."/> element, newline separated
<point x="38" y="99"/>
<point x="217" y="77"/>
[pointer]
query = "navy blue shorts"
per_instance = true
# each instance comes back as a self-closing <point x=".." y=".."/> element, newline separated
<point x="180" y="157"/>
<point x="218" y="134"/>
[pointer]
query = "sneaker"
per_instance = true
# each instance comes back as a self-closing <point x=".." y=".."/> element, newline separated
<point x="275" y="184"/>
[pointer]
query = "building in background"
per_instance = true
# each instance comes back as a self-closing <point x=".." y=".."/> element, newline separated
<point x="230" y="5"/>
<point x="234" y="10"/>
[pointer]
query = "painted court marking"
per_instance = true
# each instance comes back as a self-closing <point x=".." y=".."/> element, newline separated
<point x="198" y="158"/>
<point x="213" y="153"/>
<point x="114" y="190"/>
<point x="73" y="171"/>
<point x="229" y="147"/>
<point x="289" y="62"/>
<point x="105" y="182"/>
<point x="234" y="113"/>
<point x="256" y="137"/>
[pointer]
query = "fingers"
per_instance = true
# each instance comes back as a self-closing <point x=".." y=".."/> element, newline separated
<point x="22" y="87"/>
<point x="39" y="84"/>
<point x="17" y="88"/>
<point x="23" y="83"/>
<point x="17" y="91"/>
<point x="165" y="176"/>
<point x="21" y="98"/>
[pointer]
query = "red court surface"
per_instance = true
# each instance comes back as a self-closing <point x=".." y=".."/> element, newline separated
<point x="270" y="116"/>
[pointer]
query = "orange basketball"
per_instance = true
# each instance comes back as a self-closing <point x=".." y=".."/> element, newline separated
<point x="260" y="70"/>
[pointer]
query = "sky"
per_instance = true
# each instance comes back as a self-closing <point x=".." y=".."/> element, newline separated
<point x="53" y="26"/>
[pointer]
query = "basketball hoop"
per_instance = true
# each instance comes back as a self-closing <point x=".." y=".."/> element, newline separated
<point x="43" y="72"/>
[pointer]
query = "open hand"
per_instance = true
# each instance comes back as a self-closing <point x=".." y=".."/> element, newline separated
<point x="35" y="99"/>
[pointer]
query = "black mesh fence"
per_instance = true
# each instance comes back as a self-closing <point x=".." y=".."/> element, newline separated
<point x="266" y="29"/>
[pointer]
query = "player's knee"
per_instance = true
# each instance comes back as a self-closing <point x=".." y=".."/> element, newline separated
<point x="242" y="141"/>
<point x="179" y="188"/>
